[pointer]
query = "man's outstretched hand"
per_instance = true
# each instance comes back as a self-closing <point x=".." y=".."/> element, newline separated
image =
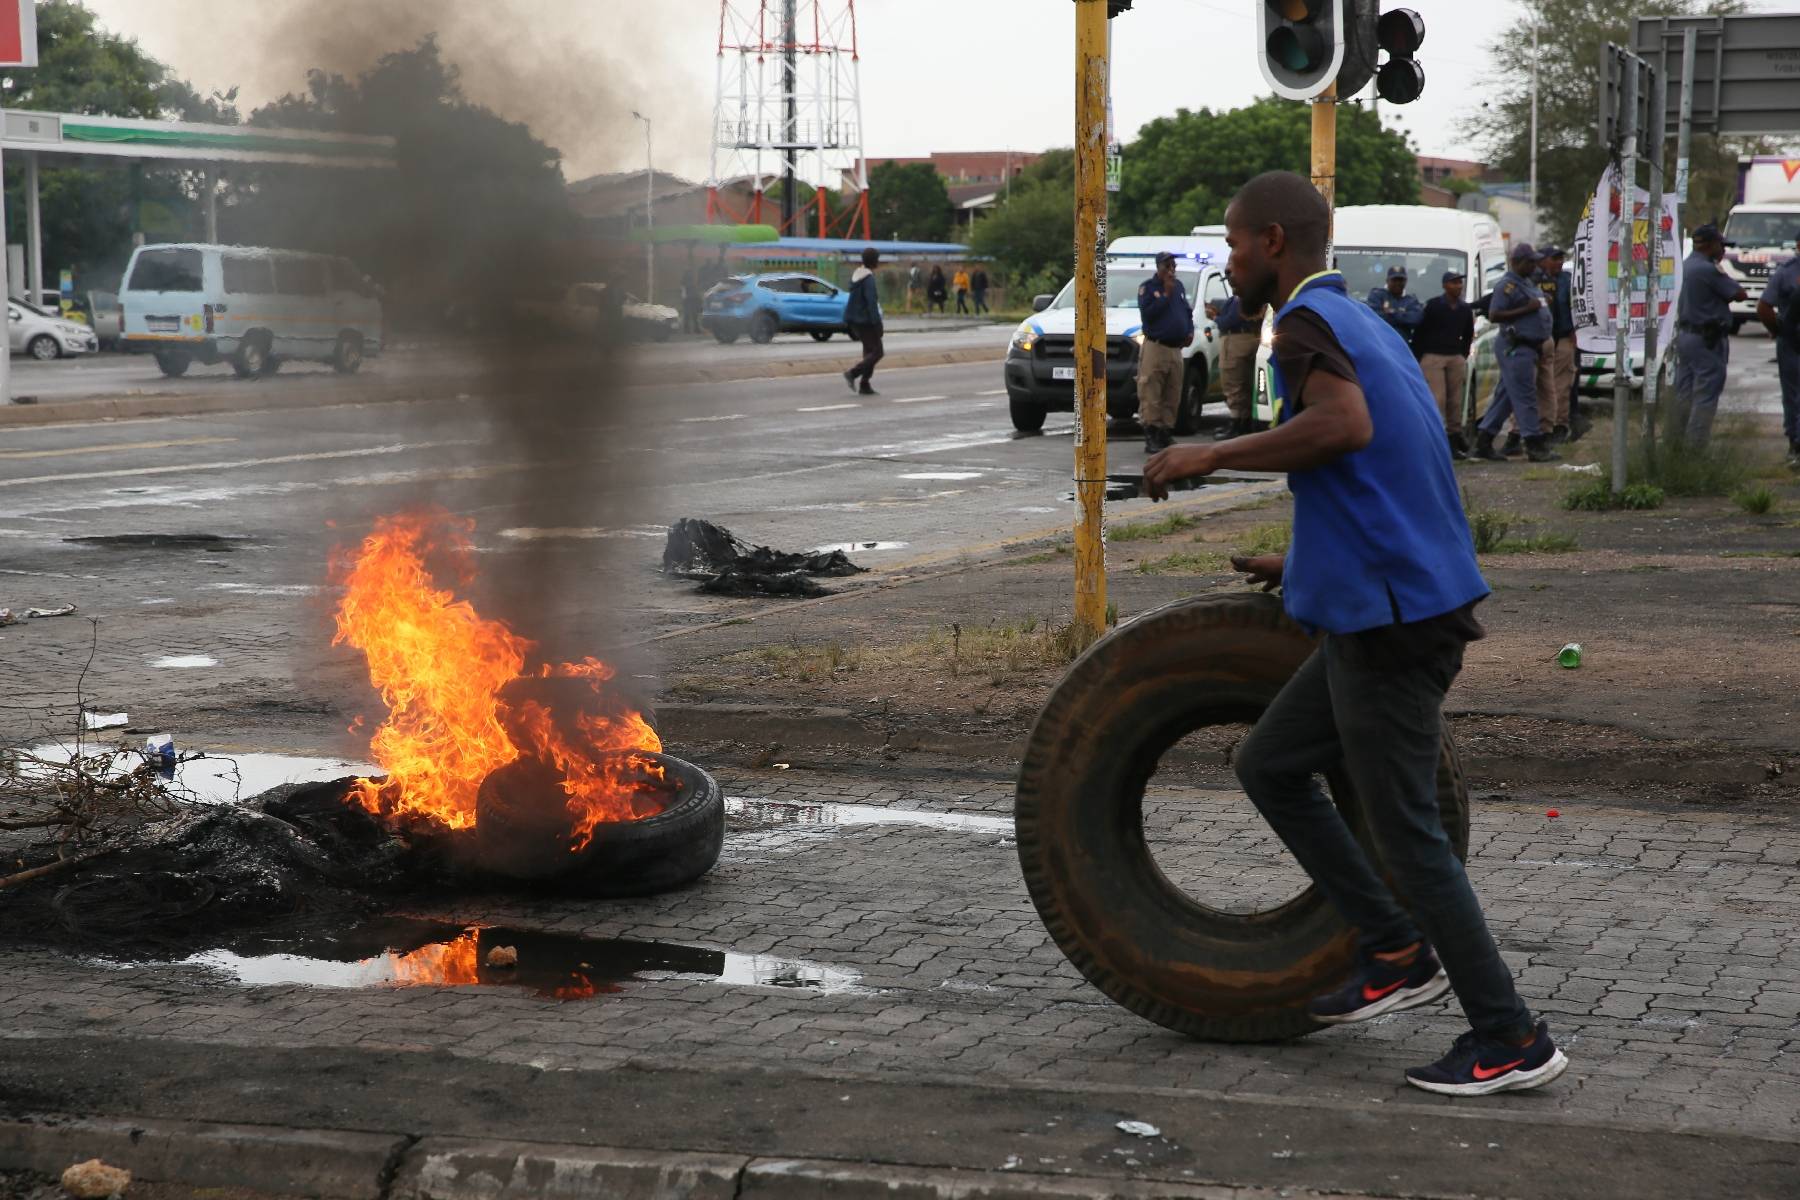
<point x="1264" y="569"/>
<point x="1178" y="462"/>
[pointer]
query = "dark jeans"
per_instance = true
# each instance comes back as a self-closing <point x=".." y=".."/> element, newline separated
<point x="962" y="301"/>
<point x="1383" y="724"/>
<point x="981" y="304"/>
<point x="870" y="337"/>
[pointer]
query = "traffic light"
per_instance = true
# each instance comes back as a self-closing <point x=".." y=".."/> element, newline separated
<point x="1400" y="33"/>
<point x="1303" y="45"/>
<point x="1115" y="7"/>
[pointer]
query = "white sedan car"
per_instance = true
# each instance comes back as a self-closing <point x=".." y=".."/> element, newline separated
<point x="46" y="337"/>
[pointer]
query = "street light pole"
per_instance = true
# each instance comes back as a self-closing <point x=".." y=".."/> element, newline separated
<point x="649" y="212"/>
<point x="1534" y="129"/>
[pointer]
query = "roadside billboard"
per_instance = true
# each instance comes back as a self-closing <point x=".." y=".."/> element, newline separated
<point x="1595" y="303"/>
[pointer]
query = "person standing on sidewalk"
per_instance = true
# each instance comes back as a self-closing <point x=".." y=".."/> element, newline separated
<point x="1779" y="311"/>
<point x="1240" y="335"/>
<point x="1445" y="335"/>
<point x="914" y="277"/>
<point x="1168" y="330"/>
<point x="978" y="289"/>
<point x="936" y="290"/>
<point x="862" y="313"/>
<point x="1518" y="308"/>
<point x="961" y="283"/>
<point x="1383" y="565"/>
<point x="1556" y="367"/>
<point x="1703" y="336"/>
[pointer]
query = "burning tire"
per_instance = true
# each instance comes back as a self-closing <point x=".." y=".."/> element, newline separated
<point x="520" y="837"/>
<point x="1129" y="930"/>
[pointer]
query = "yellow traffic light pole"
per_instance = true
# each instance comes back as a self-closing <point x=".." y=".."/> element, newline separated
<point x="1091" y="67"/>
<point x="1324" y="156"/>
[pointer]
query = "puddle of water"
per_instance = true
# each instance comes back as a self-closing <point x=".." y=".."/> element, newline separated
<point x="858" y="547"/>
<point x="750" y="812"/>
<point x="273" y="589"/>
<point x="226" y="779"/>
<point x="942" y="475"/>
<point x="184" y="662"/>
<point x="154" y="600"/>
<point x="408" y="953"/>
<point x="528" y="533"/>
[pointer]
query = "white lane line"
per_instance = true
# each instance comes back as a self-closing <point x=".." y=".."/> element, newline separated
<point x="995" y="392"/>
<point x="919" y="399"/>
<point x="828" y="408"/>
<point x="705" y="420"/>
<point x="239" y="464"/>
<point x="950" y="475"/>
<point x="107" y="449"/>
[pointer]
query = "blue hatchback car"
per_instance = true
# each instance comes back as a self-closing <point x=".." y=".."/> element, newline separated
<point x="781" y="302"/>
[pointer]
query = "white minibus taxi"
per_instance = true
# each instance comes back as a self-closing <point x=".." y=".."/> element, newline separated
<point x="254" y="308"/>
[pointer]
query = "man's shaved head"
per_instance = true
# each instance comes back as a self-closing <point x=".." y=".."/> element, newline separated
<point x="1277" y="223"/>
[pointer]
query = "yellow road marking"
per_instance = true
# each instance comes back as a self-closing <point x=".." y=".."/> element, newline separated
<point x="199" y="441"/>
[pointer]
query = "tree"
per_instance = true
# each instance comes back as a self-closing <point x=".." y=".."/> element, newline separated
<point x="1031" y="236"/>
<point x="908" y="201"/>
<point x="1183" y="170"/>
<point x="1570" y="157"/>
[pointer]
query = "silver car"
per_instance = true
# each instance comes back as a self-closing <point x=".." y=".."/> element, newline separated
<point x="46" y="337"/>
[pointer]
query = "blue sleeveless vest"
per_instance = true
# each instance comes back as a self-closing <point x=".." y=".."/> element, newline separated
<point x="1379" y="535"/>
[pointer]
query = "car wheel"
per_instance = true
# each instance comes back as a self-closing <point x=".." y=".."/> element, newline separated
<point x="1230" y="976"/>
<point x="44" y="348"/>
<point x="663" y="333"/>
<point x="174" y="363"/>
<point x="724" y="336"/>
<point x="1193" y="399"/>
<point x="821" y="335"/>
<point x="763" y="328"/>
<point x="347" y="359"/>
<point x="1026" y="416"/>
<point x="252" y="358"/>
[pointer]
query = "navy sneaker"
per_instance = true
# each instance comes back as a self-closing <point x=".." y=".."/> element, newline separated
<point x="1478" y="1066"/>
<point x="1379" y="987"/>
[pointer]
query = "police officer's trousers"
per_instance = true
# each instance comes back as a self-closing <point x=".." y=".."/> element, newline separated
<point x="1516" y="396"/>
<point x="1699" y="380"/>
<point x="1787" y="361"/>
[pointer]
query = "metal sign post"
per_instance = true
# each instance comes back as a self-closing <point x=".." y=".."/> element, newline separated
<point x="18" y="48"/>
<point x="1626" y="195"/>
<point x="1091" y="90"/>
<point x="1652" y="284"/>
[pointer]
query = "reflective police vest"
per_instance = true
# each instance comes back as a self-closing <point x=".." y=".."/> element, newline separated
<point x="1379" y="534"/>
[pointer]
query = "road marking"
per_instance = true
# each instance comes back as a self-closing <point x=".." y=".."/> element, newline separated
<point x="199" y="441"/>
<point x="995" y="392"/>
<point x="239" y="464"/>
<point x="943" y="475"/>
<point x="703" y="420"/>
<point x="828" y="408"/>
<point x="920" y="399"/>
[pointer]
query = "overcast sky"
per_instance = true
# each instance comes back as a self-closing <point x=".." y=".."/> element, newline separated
<point x="936" y="74"/>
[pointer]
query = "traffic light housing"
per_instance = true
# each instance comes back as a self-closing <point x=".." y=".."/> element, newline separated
<point x="1303" y="45"/>
<point x="1115" y="7"/>
<point x="1400" y="33"/>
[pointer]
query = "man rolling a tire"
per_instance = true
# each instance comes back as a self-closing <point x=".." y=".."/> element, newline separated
<point x="1383" y="565"/>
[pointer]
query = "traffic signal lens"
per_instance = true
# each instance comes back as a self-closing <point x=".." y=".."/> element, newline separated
<point x="1401" y="81"/>
<point x="1299" y="49"/>
<point x="1296" y="10"/>
<point x="1401" y="32"/>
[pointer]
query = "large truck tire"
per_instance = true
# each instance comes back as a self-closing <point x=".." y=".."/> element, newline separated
<point x="1236" y="977"/>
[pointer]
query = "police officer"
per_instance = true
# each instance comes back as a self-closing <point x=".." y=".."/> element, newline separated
<point x="1779" y="311"/>
<point x="1556" y="368"/>
<point x="1703" y="335"/>
<point x="1168" y="329"/>
<point x="1240" y="336"/>
<point x="1519" y="309"/>
<point x="1401" y="311"/>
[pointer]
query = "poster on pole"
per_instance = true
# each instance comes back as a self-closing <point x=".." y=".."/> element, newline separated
<point x="1598" y="275"/>
<point x="18" y="33"/>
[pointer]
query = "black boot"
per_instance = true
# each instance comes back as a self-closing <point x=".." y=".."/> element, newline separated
<point x="1513" y="445"/>
<point x="1559" y="435"/>
<point x="1156" y="438"/>
<point x="1484" y="448"/>
<point x="1459" y="449"/>
<point x="850" y="378"/>
<point x="1538" y="452"/>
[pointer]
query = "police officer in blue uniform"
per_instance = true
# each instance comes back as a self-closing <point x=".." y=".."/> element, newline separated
<point x="1703" y="335"/>
<point x="1382" y="565"/>
<point x="1519" y="308"/>
<point x="1397" y="307"/>
<point x="1779" y="311"/>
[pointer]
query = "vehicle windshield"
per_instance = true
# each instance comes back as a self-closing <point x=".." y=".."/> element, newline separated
<point x="29" y="307"/>
<point x="1366" y="268"/>
<point x="1763" y="228"/>
<point x="1123" y="278"/>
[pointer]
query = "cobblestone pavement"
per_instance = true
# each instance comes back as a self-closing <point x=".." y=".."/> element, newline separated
<point x="1661" y="944"/>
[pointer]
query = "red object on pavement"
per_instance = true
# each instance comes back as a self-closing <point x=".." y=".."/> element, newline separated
<point x="18" y="33"/>
<point x="1552" y="813"/>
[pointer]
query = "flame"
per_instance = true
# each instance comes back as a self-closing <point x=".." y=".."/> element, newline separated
<point x="440" y="667"/>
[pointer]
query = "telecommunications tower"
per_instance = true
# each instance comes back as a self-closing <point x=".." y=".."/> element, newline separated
<point x="788" y="109"/>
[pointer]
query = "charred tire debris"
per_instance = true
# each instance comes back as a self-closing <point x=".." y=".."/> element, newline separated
<point x="726" y="565"/>
<point x="1130" y="931"/>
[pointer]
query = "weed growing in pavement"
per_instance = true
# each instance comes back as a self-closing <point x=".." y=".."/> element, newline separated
<point x="808" y="663"/>
<point x="1140" y="531"/>
<point x="1185" y="562"/>
<point x="1760" y="554"/>
<point x="1539" y="543"/>
<point x="1682" y="469"/>
<point x="1488" y="526"/>
<point x="1268" y="539"/>
<point x="1756" y="501"/>
<point x="1596" y="495"/>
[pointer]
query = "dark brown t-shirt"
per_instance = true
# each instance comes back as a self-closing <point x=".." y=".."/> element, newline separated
<point x="1304" y="343"/>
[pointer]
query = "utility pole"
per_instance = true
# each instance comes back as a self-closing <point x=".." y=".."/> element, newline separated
<point x="791" y="103"/>
<point x="1659" y="136"/>
<point x="1684" y="134"/>
<point x="1627" y="192"/>
<point x="1324" y="158"/>
<point x="1091" y="90"/>
<point x="649" y="213"/>
<point x="1534" y="129"/>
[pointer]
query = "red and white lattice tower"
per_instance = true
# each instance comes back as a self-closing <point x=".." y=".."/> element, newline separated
<point x="789" y="108"/>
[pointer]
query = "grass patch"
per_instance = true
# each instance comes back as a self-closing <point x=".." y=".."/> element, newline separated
<point x="1143" y="531"/>
<point x="1540" y="474"/>
<point x="1004" y="649"/>
<point x="1539" y="543"/>
<point x="1760" y="554"/>
<point x="1186" y="562"/>
<point x="1596" y="495"/>
<point x="1047" y="556"/>
<point x="1488" y="526"/>
<point x="1268" y="539"/>
<point x="806" y="663"/>
<point x="1680" y="469"/>
<point x="1757" y="501"/>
